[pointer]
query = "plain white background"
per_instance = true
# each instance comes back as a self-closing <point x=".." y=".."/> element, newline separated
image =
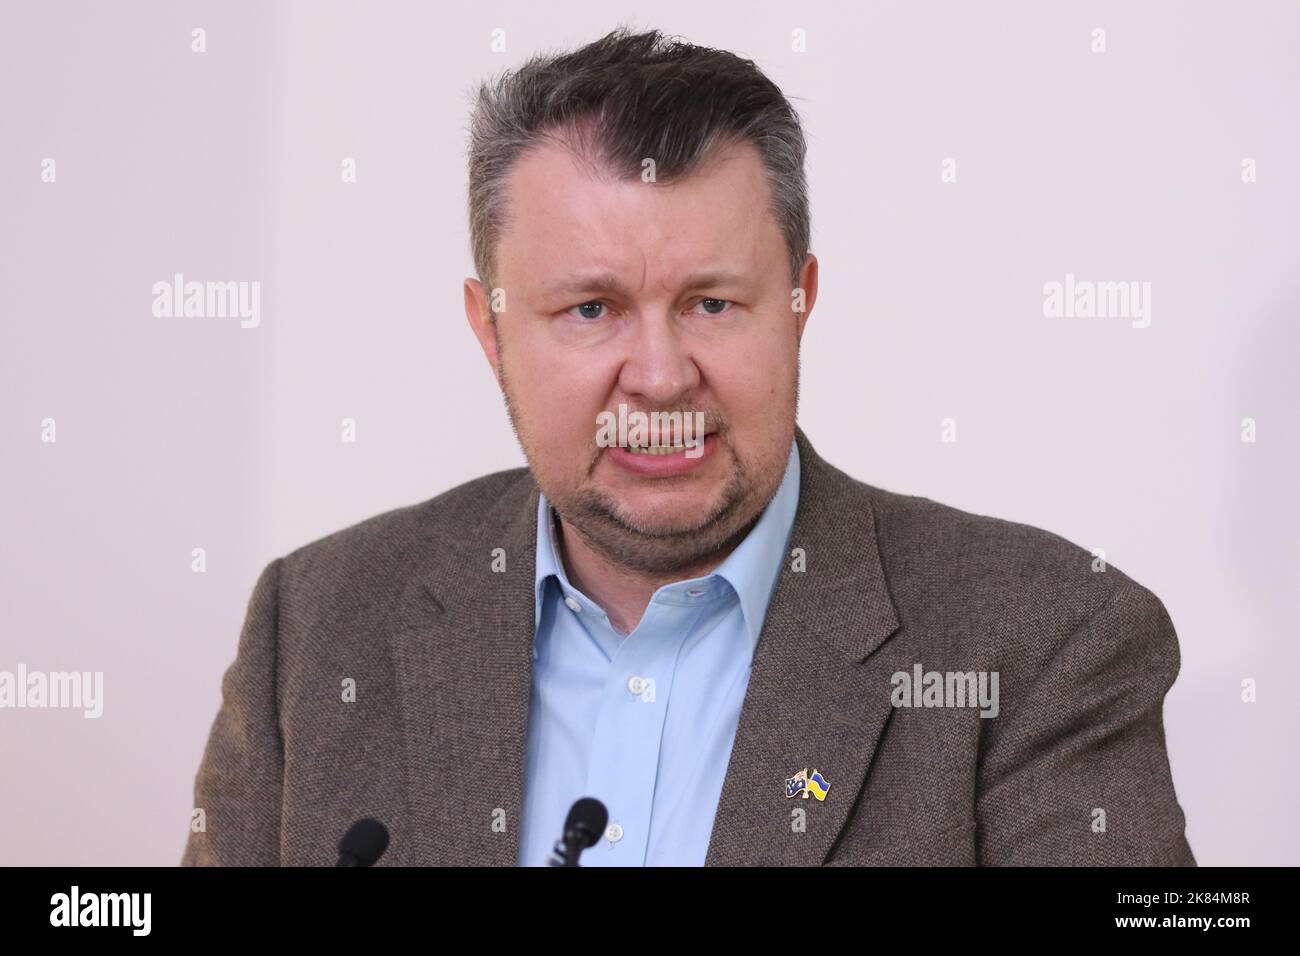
<point x="175" y="434"/>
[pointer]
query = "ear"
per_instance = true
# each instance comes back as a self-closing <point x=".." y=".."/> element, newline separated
<point x="807" y="282"/>
<point x="482" y="323"/>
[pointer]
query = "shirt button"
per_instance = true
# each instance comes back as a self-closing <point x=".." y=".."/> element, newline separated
<point x="636" y="685"/>
<point x="695" y="592"/>
<point x="573" y="605"/>
<point x="614" y="833"/>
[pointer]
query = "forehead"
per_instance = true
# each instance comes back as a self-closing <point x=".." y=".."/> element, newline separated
<point x="564" y="215"/>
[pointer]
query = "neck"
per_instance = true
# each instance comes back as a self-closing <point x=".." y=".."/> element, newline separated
<point x="623" y="593"/>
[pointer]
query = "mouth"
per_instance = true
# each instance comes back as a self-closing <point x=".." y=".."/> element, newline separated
<point x="662" y="461"/>
<point x="664" y="449"/>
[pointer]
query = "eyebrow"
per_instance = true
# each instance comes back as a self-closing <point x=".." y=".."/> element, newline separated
<point x="609" y="282"/>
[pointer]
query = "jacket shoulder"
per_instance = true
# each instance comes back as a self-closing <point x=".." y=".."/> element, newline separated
<point x="372" y="555"/>
<point x="939" y="553"/>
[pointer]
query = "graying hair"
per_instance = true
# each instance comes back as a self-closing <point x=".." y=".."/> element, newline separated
<point x="624" y="98"/>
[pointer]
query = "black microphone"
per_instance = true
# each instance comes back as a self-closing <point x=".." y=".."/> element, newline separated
<point x="583" y="827"/>
<point x="363" y="844"/>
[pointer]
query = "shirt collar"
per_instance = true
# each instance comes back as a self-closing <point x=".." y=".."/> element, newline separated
<point x="751" y="569"/>
<point x="548" y="562"/>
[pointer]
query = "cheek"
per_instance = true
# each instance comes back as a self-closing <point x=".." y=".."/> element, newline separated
<point x="558" y="393"/>
<point x="750" y="375"/>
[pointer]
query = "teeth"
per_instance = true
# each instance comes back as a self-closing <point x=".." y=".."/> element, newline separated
<point x="655" y="449"/>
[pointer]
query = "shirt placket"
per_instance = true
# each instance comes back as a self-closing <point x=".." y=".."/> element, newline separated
<point x="629" y="731"/>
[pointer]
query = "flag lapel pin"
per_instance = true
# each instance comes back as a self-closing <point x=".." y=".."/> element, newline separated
<point x="805" y="784"/>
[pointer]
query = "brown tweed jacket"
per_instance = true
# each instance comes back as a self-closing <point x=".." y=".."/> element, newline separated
<point x="1072" y="770"/>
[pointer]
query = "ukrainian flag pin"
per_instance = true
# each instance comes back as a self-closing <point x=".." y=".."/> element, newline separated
<point x="818" y="785"/>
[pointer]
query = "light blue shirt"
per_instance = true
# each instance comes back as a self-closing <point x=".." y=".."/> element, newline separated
<point x="645" y="723"/>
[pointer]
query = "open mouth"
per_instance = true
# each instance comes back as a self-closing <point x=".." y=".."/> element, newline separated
<point x="661" y="449"/>
<point x="663" y="461"/>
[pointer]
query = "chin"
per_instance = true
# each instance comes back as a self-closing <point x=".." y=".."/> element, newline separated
<point x="660" y="520"/>
<point x="666" y="510"/>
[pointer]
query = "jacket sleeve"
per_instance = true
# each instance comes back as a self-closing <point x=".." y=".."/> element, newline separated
<point x="238" y="786"/>
<point x="1078" y="774"/>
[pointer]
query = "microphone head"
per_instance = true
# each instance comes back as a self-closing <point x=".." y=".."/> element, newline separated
<point x="365" y="841"/>
<point x="587" y="819"/>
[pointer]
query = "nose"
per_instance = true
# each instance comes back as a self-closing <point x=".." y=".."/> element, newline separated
<point x="659" y="367"/>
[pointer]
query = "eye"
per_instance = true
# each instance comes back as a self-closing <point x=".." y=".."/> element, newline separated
<point x="714" y="306"/>
<point x="588" y="310"/>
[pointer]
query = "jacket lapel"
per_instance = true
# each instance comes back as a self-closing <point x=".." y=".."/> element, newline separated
<point x="462" y="637"/>
<point x="817" y="697"/>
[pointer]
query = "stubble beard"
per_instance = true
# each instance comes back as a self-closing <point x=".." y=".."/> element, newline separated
<point x="620" y="538"/>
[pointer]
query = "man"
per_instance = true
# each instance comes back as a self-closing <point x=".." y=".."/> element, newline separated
<point x="746" y="655"/>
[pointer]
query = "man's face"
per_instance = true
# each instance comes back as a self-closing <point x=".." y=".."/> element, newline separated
<point x="663" y="298"/>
